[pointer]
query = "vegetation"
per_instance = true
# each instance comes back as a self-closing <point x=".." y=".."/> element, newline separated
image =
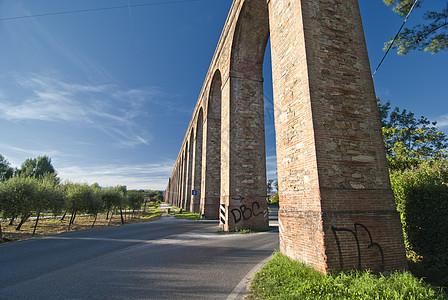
<point x="421" y="195"/>
<point x="6" y="171"/>
<point x="282" y="278"/>
<point x="275" y="199"/>
<point x="50" y="225"/>
<point x="244" y="231"/>
<point x="187" y="215"/>
<point x="35" y="188"/>
<point x="409" y="141"/>
<point x="431" y="35"/>
<point x="417" y="156"/>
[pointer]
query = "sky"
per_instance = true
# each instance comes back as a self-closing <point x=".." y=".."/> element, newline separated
<point x="108" y="94"/>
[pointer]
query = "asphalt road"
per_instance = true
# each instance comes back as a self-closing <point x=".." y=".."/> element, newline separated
<point x="167" y="259"/>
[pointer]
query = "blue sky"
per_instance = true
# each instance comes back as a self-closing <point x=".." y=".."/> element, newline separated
<point x="108" y="94"/>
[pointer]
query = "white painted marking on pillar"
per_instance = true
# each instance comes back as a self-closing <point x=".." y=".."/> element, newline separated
<point x="223" y="214"/>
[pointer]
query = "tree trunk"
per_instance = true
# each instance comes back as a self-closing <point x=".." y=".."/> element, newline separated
<point x="37" y="220"/>
<point x="22" y="221"/>
<point x="63" y="217"/>
<point x="110" y="219"/>
<point x="72" y="219"/>
<point x="1" y="233"/>
<point x="94" y="220"/>
<point x="107" y="216"/>
<point x="121" y="213"/>
<point x="11" y="221"/>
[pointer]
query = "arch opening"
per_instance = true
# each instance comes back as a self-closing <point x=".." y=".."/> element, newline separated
<point x="211" y="183"/>
<point x="197" y="163"/>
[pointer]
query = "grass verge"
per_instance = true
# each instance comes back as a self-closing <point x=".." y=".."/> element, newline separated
<point x="243" y="231"/>
<point x="282" y="278"/>
<point x="186" y="215"/>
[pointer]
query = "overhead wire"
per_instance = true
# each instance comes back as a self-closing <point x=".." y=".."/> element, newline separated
<point x="97" y="9"/>
<point x="393" y="40"/>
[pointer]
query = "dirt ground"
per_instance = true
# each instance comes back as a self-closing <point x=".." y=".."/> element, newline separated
<point x="54" y="225"/>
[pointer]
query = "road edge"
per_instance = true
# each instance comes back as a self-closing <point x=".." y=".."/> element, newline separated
<point x="241" y="289"/>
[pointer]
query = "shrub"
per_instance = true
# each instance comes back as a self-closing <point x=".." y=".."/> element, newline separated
<point x="275" y="200"/>
<point x="421" y="195"/>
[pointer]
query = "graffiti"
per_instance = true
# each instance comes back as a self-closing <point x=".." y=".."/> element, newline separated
<point x="245" y="213"/>
<point x="355" y="234"/>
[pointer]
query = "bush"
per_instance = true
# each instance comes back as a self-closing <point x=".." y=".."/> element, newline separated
<point x="275" y="200"/>
<point x="421" y="195"/>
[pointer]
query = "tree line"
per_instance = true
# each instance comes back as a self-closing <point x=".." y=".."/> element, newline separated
<point x="35" y="188"/>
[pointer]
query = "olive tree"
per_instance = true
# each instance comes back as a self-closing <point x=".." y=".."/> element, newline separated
<point x="135" y="200"/>
<point x="19" y="198"/>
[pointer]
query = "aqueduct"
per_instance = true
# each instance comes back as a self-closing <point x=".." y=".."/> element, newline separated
<point x="337" y="209"/>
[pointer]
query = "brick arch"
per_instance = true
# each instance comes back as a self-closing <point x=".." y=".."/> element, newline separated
<point x="197" y="162"/>
<point x="250" y="38"/>
<point x="189" y="171"/>
<point x="184" y="177"/>
<point x="211" y="161"/>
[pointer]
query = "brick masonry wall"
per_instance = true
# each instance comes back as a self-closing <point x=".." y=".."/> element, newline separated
<point x="329" y="145"/>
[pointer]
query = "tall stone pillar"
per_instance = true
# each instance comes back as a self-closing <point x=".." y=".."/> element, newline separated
<point x="337" y="209"/>
<point x="243" y="174"/>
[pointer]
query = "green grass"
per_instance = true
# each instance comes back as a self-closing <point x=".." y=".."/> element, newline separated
<point x="188" y="216"/>
<point x="175" y="207"/>
<point x="237" y="230"/>
<point x="282" y="278"/>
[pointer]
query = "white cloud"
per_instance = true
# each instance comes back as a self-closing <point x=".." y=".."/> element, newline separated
<point x="141" y="176"/>
<point x="442" y="121"/>
<point x="108" y="108"/>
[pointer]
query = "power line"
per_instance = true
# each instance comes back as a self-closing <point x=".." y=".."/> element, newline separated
<point x="96" y="9"/>
<point x="395" y="37"/>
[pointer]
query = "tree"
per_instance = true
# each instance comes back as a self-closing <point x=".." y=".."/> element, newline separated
<point x="159" y="197"/>
<point x="6" y="171"/>
<point x="96" y="204"/>
<point x="431" y="35"/>
<point x="113" y="198"/>
<point x="409" y="140"/>
<point x="121" y="194"/>
<point x="49" y="196"/>
<point x="2" y="200"/>
<point x="79" y="197"/>
<point x="37" y="167"/>
<point x="269" y="185"/>
<point x="19" y="198"/>
<point x="135" y="200"/>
